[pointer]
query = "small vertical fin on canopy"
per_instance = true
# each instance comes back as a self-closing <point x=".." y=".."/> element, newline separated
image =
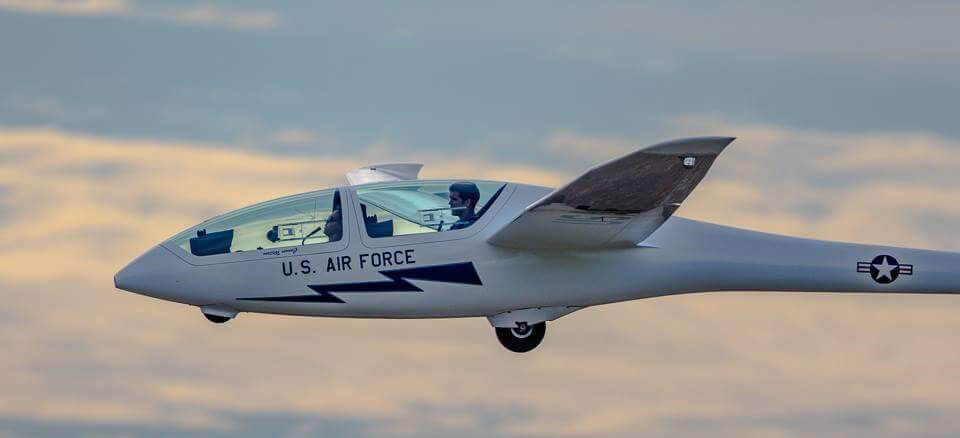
<point x="384" y="173"/>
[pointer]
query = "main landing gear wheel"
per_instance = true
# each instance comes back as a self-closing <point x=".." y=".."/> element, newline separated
<point x="218" y="314"/>
<point x="216" y="319"/>
<point x="523" y="337"/>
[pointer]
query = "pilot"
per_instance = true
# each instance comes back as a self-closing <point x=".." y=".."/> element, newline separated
<point x="334" y="226"/>
<point x="463" y="201"/>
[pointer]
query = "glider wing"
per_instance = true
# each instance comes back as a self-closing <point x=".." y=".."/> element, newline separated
<point x="616" y="204"/>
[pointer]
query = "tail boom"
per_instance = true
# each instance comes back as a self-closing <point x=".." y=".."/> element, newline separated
<point x="703" y="257"/>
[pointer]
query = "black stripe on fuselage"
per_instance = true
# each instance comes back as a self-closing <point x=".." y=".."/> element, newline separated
<point x="457" y="273"/>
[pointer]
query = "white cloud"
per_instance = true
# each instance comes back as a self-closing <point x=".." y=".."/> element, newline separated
<point x="68" y="7"/>
<point x="207" y="14"/>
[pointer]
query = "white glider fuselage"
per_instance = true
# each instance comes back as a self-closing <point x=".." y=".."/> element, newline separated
<point x="406" y="248"/>
<point x="682" y="256"/>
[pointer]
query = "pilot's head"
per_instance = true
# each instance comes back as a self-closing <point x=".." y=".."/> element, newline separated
<point x="464" y="196"/>
<point x="334" y="226"/>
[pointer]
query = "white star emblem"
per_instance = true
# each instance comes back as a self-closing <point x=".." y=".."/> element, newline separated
<point x="885" y="269"/>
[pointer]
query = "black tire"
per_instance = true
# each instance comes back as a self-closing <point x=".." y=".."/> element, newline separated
<point x="216" y="319"/>
<point x="522" y="342"/>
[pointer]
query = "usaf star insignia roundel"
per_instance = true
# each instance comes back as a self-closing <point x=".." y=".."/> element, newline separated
<point x="884" y="269"/>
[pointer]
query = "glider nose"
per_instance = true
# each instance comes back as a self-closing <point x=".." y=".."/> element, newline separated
<point x="157" y="273"/>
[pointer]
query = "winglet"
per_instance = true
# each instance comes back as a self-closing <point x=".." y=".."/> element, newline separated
<point x="384" y="173"/>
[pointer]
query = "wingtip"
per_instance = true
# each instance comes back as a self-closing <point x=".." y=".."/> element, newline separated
<point x="693" y="145"/>
<point x="727" y="141"/>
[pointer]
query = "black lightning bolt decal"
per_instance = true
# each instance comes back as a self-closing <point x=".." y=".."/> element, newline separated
<point x="458" y="273"/>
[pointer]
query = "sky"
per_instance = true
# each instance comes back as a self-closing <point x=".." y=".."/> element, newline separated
<point x="123" y="122"/>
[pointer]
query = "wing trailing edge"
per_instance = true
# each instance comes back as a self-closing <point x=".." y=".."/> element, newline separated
<point x="616" y="204"/>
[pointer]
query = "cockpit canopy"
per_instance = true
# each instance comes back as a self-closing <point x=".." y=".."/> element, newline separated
<point x="385" y="209"/>
<point x="396" y="209"/>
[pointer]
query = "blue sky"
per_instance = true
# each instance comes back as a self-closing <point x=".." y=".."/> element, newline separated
<point x="501" y="77"/>
<point x="123" y="122"/>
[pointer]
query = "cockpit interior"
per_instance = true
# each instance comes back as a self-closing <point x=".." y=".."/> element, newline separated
<point x="385" y="209"/>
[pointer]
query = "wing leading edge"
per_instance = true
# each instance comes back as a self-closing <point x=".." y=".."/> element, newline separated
<point x="615" y="204"/>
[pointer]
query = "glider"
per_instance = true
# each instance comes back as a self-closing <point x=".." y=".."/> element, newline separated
<point x="390" y="245"/>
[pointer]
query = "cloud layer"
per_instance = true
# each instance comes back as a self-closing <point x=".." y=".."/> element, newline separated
<point x="75" y="208"/>
<point x="125" y="121"/>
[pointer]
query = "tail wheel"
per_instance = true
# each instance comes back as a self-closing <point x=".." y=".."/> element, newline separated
<point x="522" y="338"/>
